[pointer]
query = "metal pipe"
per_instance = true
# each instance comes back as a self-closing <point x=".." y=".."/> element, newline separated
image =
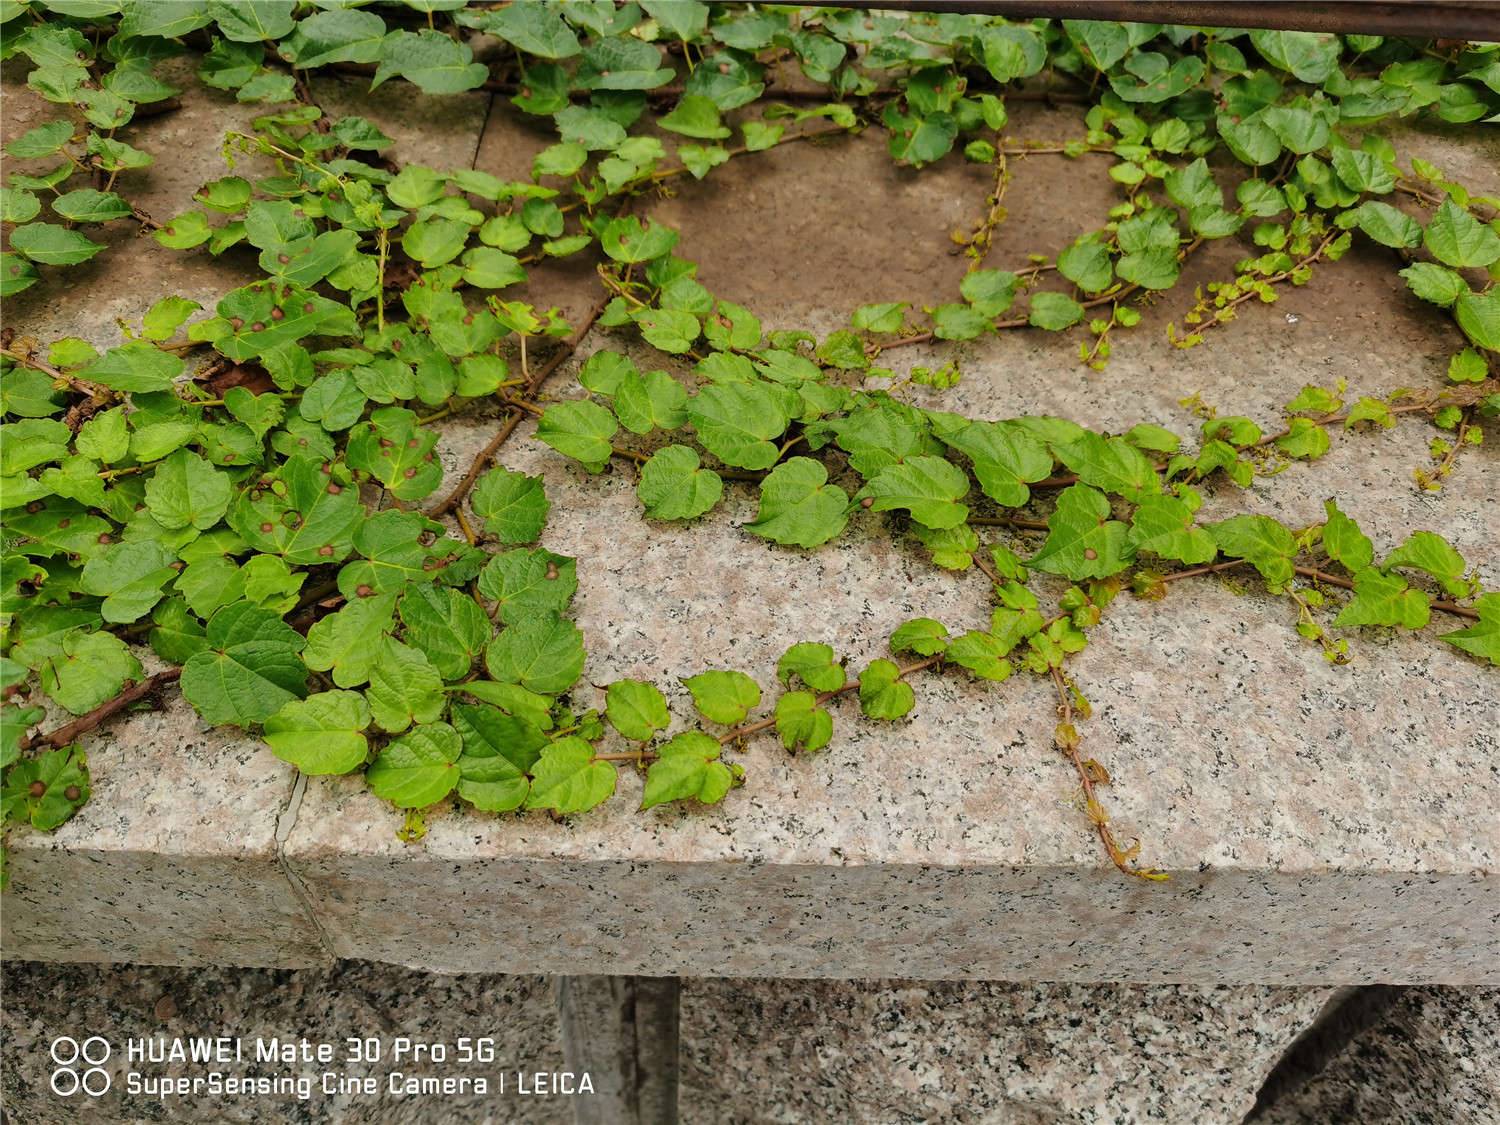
<point x="1472" y="20"/>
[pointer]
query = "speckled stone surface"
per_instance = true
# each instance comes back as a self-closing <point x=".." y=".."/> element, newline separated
<point x="907" y="1052"/>
<point x="752" y="1050"/>
<point x="1321" y="824"/>
<point x="1432" y="1060"/>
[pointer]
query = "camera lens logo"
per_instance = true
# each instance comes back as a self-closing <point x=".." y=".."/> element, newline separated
<point x="80" y="1066"/>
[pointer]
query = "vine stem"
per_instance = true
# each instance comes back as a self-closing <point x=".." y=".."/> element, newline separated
<point x="853" y="685"/>
<point x="1066" y="740"/>
<point x="69" y="732"/>
<point x="1316" y="575"/>
<point x="533" y="386"/>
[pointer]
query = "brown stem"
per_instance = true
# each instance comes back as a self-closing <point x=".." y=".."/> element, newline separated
<point x="533" y="386"/>
<point x="853" y="685"/>
<point x="1066" y="740"/>
<point x="1009" y="521"/>
<point x="69" y="732"/>
<point x="1316" y="575"/>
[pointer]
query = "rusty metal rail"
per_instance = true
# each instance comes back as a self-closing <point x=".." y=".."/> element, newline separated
<point x="1473" y="20"/>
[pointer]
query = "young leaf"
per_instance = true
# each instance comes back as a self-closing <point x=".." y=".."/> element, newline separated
<point x="1345" y="543"/>
<point x="1082" y="541"/>
<point x="882" y="692"/>
<point x="723" y="697"/>
<point x="347" y="642"/>
<point x="982" y="654"/>
<point x="499" y="749"/>
<point x="687" y="767"/>
<point x="404" y="688"/>
<point x="798" y="507"/>
<point x="636" y="709"/>
<point x="250" y="668"/>
<point x="542" y="653"/>
<point x="512" y="505"/>
<point x="673" y="486"/>
<point x="567" y="779"/>
<point x="418" y="769"/>
<point x="321" y="734"/>
<point x="813" y="664"/>
<point x="86" y="669"/>
<point x="1481" y="639"/>
<point x="928" y="487"/>
<point x="801" y="723"/>
<point x="921" y="635"/>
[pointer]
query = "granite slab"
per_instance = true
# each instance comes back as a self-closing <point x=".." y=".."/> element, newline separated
<point x="1321" y="825"/>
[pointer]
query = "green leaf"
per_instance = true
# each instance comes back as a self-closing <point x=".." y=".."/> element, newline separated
<point x="512" y="505"/>
<point x="1006" y="458"/>
<point x="432" y="242"/>
<point x="321" y="734"/>
<point x="56" y="771"/>
<point x="1163" y="526"/>
<point x="431" y="60"/>
<point x="801" y="723"/>
<point x="674" y="487"/>
<point x="882" y="692"/>
<point x="581" y="430"/>
<point x="958" y="322"/>
<point x="1304" y="438"/>
<point x="724" y="697"/>
<point x="396" y="451"/>
<point x="488" y="268"/>
<point x="341" y="35"/>
<point x="529" y="584"/>
<point x="921" y="635"/>
<point x="982" y="654"/>
<point x="884" y="318"/>
<point x="813" y="664"/>
<point x="348" y="642"/>
<point x="695" y="116"/>
<point x="137" y="366"/>
<point x="1301" y="130"/>
<point x="1468" y="366"/>
<point x="928" y="487"/>
<point x="1082" y="541"/>
<point x="798" y="507"/>
<point x="1345" y="543"/>
<point x="1384" y="599"/>
<point x="1429" y="552"/>
<point x="1054" y="311"/>
<point x="186" y="491"/>
<point x="418" y="769"/>
<point x="650" y="401"/>
<point x="166" y="19"/>
<point x="736" y="422"/>
<point x="48" y="244"/>
<point x="86" y="669"/>
<point x="512" y="699"/>
<point x="686" y="19"/>
<point x="1458" y="239"/>
<point x="1310" y="56"/>
<point x="250" y="668"/>
<point x="499" y="749"/>
<point x="687" y="768"/>
<point x="129" y="576"/>
<point x="543" y="653"/>
<point x="447" y="626"/>
<point x="89" y="206"/>
<point x="43" y="140"/>
<point x="925" y="139"/>
<point x="1110" y="464"/>
<point x="1385" y="224"/>
<point x="1481" y="639"/>
<point x="1478" y="314"/>
<point x="668" y="330"/>
<point x="622" y="63"/>
<point x="567" y="779"/>
<point x="636" y="709"/>
<point x="404" y="689"/>
<point x="628" y="240"/>
<point x="538" y="29"/>
<point x="1086" y="263"/>
<point x="1262" y="542"/>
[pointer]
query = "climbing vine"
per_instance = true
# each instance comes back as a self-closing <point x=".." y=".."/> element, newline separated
<point x="269" y="526"/>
